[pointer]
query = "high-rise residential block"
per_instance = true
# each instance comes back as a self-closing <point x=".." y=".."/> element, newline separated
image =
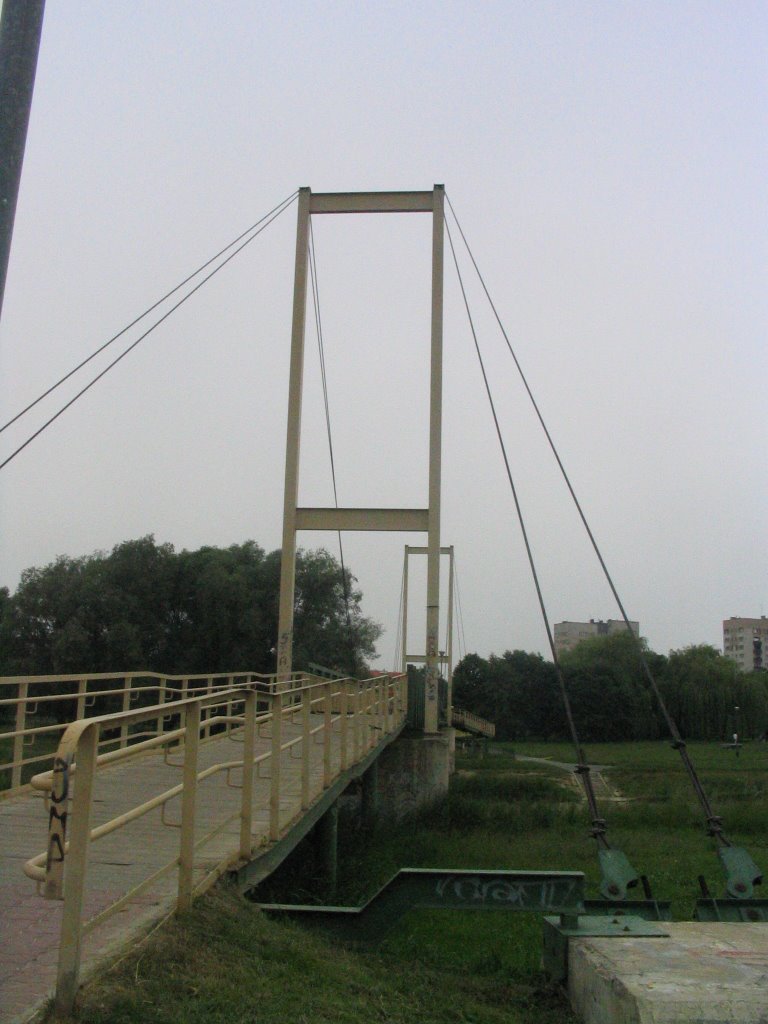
<point x="569" y="634"/>
<point x="745" y="641"/>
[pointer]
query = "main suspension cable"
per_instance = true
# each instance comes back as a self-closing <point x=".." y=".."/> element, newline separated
<point x="461" y="636"/>
<point x="714" y="822"/>
<point x="582" y="766"/>
<point x="146" y="312"/>
<point x="146" y="334"/>
<point x="321" y="351"/>
<point x="399" y="635"/>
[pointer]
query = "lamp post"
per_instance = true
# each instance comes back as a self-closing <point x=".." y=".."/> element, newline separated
<point x="736" y="744"/>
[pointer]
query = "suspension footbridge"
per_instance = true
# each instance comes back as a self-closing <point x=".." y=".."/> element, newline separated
<point x="141" y="807"/>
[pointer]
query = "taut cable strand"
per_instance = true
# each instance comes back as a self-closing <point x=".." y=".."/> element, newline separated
<point x="399" y="637"/>
<point x="146" y="312"/>
<point x="714" y="822"/>
<point x="582" y="766"/>
<point x="324" y="379"/>
<point x="457" y="592"/>
<point x="141" y="337"/>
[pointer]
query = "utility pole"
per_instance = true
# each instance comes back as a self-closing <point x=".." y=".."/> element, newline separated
<point x="21" y="24"/>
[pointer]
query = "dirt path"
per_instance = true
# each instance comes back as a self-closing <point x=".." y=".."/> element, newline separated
<point x="603" y="789"/>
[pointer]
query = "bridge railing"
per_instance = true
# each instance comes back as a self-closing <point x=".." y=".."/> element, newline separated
<point x="472" y="723"/>
<point x="329" y="724"/>
<point x="35" y="710"/>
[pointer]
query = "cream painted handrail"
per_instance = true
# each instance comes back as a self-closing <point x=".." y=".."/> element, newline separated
<point x="61" y="699"/>
<point x="473" y="723"/>
<point x="360" y="713"/>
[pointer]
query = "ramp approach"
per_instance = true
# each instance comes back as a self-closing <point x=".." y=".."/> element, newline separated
<point x="140" y="810"/>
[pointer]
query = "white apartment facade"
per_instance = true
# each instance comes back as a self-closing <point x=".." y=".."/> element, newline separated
<point x="569" y="634"/>
<point x="745" y="641"/>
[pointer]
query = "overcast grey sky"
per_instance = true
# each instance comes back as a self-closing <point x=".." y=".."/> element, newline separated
<point x="609" y="164"/>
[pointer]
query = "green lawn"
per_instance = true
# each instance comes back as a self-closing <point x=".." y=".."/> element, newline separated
<point x="226" y="962"/>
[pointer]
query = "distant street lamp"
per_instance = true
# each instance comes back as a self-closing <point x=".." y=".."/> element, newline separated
<point x="736" y="743"/>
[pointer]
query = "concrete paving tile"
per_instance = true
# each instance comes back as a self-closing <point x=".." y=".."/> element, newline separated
<point x="124" y="858"/>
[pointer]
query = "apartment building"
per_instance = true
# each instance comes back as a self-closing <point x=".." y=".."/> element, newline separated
<point x="745" y="641"/>
<point x="569" y="634"/>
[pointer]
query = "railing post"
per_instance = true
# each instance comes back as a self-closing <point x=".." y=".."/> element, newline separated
<point x="367" y="717"/>
<point x="249" y="753"/>
<point x="355" y="721"/>
<point x="327" y="733"/>
<point x="373" y="714"/>
<point x="77" y="860"/>
<point x="18" y="740"/>
<point x="230" y="686"/>
<point x="277" y="742"/>
<point x="208" y="716"/>
<point x="306" y="746"/>
<point x="161" y="700"/>
<point x="126" y="707"/>
<point x="344" y="728"/>
<point x="82" y="686"/>
<point x="189" y="805"/>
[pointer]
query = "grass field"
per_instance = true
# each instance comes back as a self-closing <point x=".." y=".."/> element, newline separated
<point x="225" y="962"/>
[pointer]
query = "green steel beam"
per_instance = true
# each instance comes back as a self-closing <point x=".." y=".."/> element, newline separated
<point x="247" y="875"/>
<point x="545" y="892"/>
<point x="747" y="911"/>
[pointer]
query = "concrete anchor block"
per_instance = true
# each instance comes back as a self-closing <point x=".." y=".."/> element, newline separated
<point x="713" y="973"/>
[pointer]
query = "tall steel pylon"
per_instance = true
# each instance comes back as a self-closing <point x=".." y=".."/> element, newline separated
<point x="426" y="520"/>
<point x="21" y="25"/>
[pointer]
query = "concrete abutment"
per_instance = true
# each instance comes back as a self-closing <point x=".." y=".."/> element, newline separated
<point x="413" y="774"/>
<point x="707" y="973"/>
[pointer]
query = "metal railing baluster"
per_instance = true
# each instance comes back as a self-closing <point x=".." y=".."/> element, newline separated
<point x="249" y="755"/>
<point x="192" y="720"/>
<point x="274" y="767"/>
<point x="327" y="730"/>
<point x="306" y="746"/>
<point x="77" y="859"/>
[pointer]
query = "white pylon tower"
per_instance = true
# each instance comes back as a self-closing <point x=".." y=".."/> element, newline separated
<point x="426" y="520"/>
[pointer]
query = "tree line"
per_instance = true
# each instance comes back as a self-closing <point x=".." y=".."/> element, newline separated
<point x="707" y="695"/>
<point x="147" y="606"/>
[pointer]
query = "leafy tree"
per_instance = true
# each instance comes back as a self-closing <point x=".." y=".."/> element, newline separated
<point x="471" y="685"/>
<point x="517" y="692"/>
<point x="145" y="606"/>
<point x="329" y="626"/>
<point x="702" y="688"/>
<point x="610" y="696"/>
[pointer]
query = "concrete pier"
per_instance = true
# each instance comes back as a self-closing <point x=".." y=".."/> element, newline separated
<point x="704" y="973"/>
<point x="413" y="773"/>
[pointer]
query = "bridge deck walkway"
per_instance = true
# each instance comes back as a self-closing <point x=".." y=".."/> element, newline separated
<point x="29" y="936"/>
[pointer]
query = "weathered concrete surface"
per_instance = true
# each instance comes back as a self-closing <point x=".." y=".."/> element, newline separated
<point x="702" y="973"/>
<point x="413" y="773"/>
<point x="30" y="925"/>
